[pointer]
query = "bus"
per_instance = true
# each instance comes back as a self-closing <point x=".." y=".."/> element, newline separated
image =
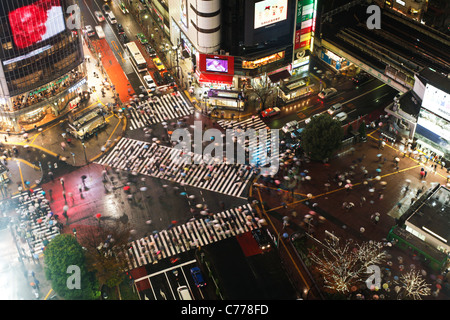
<point x="137" y="58"/>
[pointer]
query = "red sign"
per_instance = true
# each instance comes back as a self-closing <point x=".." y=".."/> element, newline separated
<point x="216" y="64"/>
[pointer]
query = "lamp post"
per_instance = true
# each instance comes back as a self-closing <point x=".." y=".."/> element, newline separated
<point x="84" y="150"/>
<point x="74" y="232"/>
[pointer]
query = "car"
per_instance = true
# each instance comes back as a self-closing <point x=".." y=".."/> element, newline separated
<point x="150" y="50"/>
<point x="270" y="112"/>
<point x="335" y="109"/>
<point x="296" y="134"/>
<point x="123" y="8"/>
<point x="89" y="31"/>
<point x="312" y="117"/>
<point x="99" y="16"/>
<point x="168" y="77"/>
<point x="361" y="78"/>
<point x="123" y="38"/>
<point x="106" y="8"/>
<point x="290" y="126"/>
<point x="327" y="93"/>
<point x="99" y="31"/>
<point x="158" y="64"/>
<point x="341" y="116"/>
<point x="198" y="277"/>
<point x="149" y="82"/>
<point x="142" y="39"/>
<point x="112" y="18"/>
<point x="120" y="29"/>
<point x="261" y="238"/>
<point x="158" y="78"/>
<point x="183" y="293"/>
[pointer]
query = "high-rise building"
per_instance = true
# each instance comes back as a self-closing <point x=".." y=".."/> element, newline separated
<point x="229" y="44"/>
<point x="41" y="56"/>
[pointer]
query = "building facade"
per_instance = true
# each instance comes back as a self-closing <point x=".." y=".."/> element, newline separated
<point x="41" y="68"/>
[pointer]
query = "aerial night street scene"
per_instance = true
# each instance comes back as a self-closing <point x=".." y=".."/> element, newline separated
<point x="253" y="151"/>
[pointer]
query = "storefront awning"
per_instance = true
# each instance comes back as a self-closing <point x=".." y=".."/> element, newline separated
<point x="275" y="77"/>
<point x="215" y="78"/>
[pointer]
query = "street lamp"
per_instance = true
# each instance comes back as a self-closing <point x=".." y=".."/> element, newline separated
<point x="74" y="232"/>
<point x="84" y="150"/>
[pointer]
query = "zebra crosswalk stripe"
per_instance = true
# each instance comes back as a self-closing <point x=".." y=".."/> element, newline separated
<point x="142" y="157"/>
<point x="161" y="108"/>
<point x="260" y="150"/>
<point x="190" y="235"/>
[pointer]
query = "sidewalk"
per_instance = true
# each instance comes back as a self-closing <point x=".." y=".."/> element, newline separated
<point x="325" y="203"/>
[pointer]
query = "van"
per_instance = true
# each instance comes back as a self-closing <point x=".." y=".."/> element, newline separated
<point x="183" y="293"/>
<point x="100" y="32"/>
<point x="112" y="18"/>
<point x="335" y="109"/>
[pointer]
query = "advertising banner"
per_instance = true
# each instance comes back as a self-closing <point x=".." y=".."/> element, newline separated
<point x="216" y="64"/>
<point x="437" y="101"/>
<point x="35" y="22"/>
<point x="268" y="12"/>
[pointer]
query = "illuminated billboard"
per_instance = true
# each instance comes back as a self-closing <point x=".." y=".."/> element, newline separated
<point x="437" y="101"/>
<point x="35" y="22"/>
<point x="433" y="130"/>
<point x="268" y="12"/>
<point x="216" y="65"/>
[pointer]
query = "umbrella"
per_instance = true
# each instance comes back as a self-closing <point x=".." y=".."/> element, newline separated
<point x="378" y="170"/>
<point x="379" y="155"/>
<point x="383" y="183"/>
<point x="98" y="215"/>
<point x="143" y="189"/>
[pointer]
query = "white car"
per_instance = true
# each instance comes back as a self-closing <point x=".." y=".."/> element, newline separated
<point x="310" y="118"/>
<point x="326" y="93"/>
<point x="112" y="18"/>
<point x="341" y="116"/>
<point x="99" y="16"/>
<point x="335" y="109"/>
<point x="149" y="82"/>
<point x="291" y="125"/>
<point x="89" y="30"/>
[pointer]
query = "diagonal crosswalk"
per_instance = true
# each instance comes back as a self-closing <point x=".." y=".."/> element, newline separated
<point x="194" y="233"/>
<point x="166" y="163"/>
<point x="262" y="156"/>
<point x="159" y="109"/>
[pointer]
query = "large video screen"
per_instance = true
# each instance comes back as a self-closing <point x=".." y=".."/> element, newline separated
<point x="268" y="12"/>
<point x="35" y="22"/>
<point x="435" y="129"/>
<point x="216" y="65"/>
<point x="437" y="101"/>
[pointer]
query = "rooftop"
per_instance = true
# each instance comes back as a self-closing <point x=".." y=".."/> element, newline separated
<point x="433" y="217"/>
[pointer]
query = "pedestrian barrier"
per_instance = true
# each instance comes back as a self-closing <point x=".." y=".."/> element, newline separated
<point x="193" y="234"/>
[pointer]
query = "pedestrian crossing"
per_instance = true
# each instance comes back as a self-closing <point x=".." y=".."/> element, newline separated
<point x="196" y="232"/>
<point x="159" y="109"/>
<point x="261" y="156"/>
<point x="164" y="162"/>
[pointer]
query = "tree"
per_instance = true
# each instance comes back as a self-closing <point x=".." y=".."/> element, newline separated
<point x="413" y="285"/>
<point x="263" y="92"/>
<point x="63" y="258"/>
<point x="322" y="137"/>
<point x="104" y="247"/>
<point x="343" y="266"/>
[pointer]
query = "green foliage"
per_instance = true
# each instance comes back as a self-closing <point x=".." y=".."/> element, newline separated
<point x="322" y="137"/>
<point x="64" y="251"/>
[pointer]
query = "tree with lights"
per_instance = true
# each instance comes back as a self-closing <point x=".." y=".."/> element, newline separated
<point x="345" y="265"/>
<point x="412" y="285"/>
